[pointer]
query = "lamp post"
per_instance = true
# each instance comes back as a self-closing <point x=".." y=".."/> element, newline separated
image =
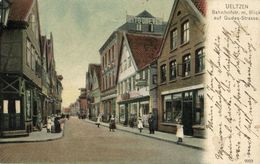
<point x="4" y="12"/>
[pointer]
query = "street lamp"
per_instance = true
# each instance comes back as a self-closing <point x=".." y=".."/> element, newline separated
<point x="4" y="12"/>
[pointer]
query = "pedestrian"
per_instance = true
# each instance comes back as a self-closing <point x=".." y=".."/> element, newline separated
<point x="112" y="124"/>
<point x="49" y="124"/>
<point x="57" y="125"/>
<point x="151" y="123"/>
<point x="179" y="133"/>
<point x="140" y="125"/>
<point x="131" y="122"/>
<point x="98" y="120"/>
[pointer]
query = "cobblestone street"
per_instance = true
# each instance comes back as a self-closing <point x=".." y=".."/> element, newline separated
<point x="84" y="142"/>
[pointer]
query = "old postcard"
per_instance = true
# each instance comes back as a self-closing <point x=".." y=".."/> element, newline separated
<point x="129" y="81"/>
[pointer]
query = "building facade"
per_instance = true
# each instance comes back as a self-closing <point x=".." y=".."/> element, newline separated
<point x="181" y="69"/>
<point x="83" y="102"/>
<point x="109" y="53"/>
<point x="93" y="84"/>
<point x="136" y="85"/>
<point x="51" y="82"/>
<point x="22" y="95"/>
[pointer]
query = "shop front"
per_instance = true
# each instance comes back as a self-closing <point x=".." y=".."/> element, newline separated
<point x="187" y="108"/>
<point x="133" y="109"/>
<point x="109" y="109"/>
<point x="20" y="106"/>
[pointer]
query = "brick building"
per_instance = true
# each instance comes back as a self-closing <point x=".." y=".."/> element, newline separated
<point x="181" y="69"/>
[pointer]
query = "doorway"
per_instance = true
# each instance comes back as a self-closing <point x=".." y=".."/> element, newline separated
<point x="187" y="118"/>
<point x="12" y="114"/>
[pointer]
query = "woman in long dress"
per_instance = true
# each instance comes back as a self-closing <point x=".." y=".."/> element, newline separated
<point x="140" y="125"/>
<point x="112" y="124"/>
<point x="98" y="121"/>
<point x="49" y="124"/>
<point x="179" y="133"/>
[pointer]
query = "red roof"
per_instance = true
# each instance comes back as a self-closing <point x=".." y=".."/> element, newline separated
<point x="20" y="9"/>
<point x="201" y="6"/>
<point x="144" y="48"/>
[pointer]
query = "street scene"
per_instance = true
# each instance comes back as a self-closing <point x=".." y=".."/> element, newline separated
<point x="85" y="143"/>
<point x="102" y="81"/>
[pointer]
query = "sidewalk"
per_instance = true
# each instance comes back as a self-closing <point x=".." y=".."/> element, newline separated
<point x="188" y="141"/>
<point x="37" y="136"/>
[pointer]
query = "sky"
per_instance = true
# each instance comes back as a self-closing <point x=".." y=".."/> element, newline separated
<point x="81" y="27"/>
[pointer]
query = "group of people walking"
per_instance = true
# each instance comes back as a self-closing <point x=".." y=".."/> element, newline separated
<point x="140" y="126"/>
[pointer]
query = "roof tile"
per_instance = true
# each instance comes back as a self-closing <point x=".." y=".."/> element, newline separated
<point x="19" y="9"/>
<point x="145" y="48"/>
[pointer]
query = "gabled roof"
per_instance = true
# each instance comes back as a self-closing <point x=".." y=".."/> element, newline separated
<point x="145" y="14"/>
<point x="20" y="10"/>
<point x="144" y="48"/>
<point x="200" y="8"/>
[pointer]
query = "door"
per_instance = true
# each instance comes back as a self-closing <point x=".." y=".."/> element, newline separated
<point x="187" y="118"/>
<point x="12" y="114"/>
<point x="35" y="113"/>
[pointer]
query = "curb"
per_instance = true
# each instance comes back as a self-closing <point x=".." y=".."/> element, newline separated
<point x="32" y="141"/>
<point x="153" y="137"/>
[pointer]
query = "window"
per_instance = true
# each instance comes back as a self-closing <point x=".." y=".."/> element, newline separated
<point x="125" y="65"/>
<point x="139" y="26"/>
<point x="154" y="79"/>
<point x="129" y="62"/>
<point x="5" y="106"/>
<point x="186" y="65"/>
<point x="129" y="84"/>
<point x="163" y="73"/>
<point x="150" y="27"/>
<point x="33" y="59"/>
<point x="122" y="87"/>
<point x="103" y="82"/>
<point x="199" y="60"/>
<point x="134" y="79"/>
<point x="103" y="61"/>
<point x="172" y="108"/>
<point x="108" y="81"/>
<point x="125" y="86"/>
<point x="113" y="79"/>
<point x="109" y="56"/>
<point x="199" y="107"/>
<point x="185" y="32"/>
<point x="28" y="53"/>
<point x="174" y="38"/>
<point x="113" y="53"/>
<point x="173" y="68"/>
